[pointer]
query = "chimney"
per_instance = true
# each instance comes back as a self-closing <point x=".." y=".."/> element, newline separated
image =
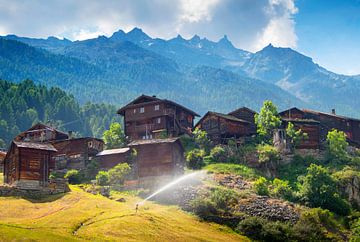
<point x="333" y="111"/>
<point x="70" y="133"/>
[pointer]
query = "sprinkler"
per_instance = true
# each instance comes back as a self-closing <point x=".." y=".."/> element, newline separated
<point x="136" y="208"/>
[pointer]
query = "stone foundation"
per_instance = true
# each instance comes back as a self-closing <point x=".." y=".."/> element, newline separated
<point x="33" y="189"/>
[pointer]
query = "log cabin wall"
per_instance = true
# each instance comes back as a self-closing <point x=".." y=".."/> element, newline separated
<point x="313" y="132"/>
<point x="159" y="159"/>
<point x="75" y="153"/>
<point x="247" y="115"/>
<point x="219" y="128"/>
<point x="109" y="161"/>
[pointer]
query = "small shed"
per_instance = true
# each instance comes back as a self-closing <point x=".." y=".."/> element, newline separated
<point x="158" y="157"/>
<point x="110" y="158"/>
<point x="28" y="164"/>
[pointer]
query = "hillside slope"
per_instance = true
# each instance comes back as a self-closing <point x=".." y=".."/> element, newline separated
<point x="81" y="216"/>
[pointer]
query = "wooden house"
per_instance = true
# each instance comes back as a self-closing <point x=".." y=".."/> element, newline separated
<point x="298" y="118"/>
<point x="148" y="117"/>
<point x="28" y="164"/>
<point x="158" y="157"/>
<point x="221" y="127"/>
<point x="110" y="158"/>
<point x="246" y="114"/>
<point x="329" y="121"/>
<point x="76" y="153"/>
<point x="41" y="133"/>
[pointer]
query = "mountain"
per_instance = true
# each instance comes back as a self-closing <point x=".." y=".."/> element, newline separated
<point x="132" y="63"/>
<point x="299" y="75"/>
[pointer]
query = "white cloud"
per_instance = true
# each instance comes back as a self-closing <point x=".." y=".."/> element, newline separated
<point x="250" y="24"/>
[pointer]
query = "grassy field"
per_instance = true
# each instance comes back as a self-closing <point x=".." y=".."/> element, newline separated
<point x="235" y="169"/>
<point x="82" y="216"/>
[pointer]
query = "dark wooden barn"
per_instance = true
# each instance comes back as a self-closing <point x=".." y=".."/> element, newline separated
<point x="329" y="121"/>
<point x="158" y="157"/>
<point x="110" y="158"/>
<point x="76" y="153"/>
<point x="41" y="133"/>
<point x="28" y="164"/>
<point x="246" y="114"/>
<point x="222" y="127"/>
<point x="148" y="117"/>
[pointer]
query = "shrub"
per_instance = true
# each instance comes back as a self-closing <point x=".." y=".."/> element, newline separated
<point x="316" y="225"/>
<point x="223" y="198"/>
<point x="118" y="173"/>
<point x="194" y="159"/>
<point x="336" y="145"/>
<point x="236" y="169"/>
<point x="204" y="208"/>
<point x="91" y="169"/>
<point x="267" y="153"/>
<point x="218" y="155"/>
<point x="56" y="174"/>
<point x="73" y="176"/>
<point x="296" y="136"/>
<point x="261" y="186"/>
<point x="102" y="178"/>
<point x="319" y="190"/>
<point x="202" y="140"/>
<point x="281" y="189"/>
<point x="263" y="230"/>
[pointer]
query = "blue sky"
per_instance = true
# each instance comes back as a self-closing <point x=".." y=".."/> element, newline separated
<point x="326" y="30"/>
<point x="329" y="32"/>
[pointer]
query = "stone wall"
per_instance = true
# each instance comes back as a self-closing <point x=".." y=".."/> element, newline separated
<point x="55" y="186"/>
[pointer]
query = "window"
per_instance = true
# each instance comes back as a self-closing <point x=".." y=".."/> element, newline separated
<point x="158" y="120"/>
<point x="142" y="110"/>
<point x="134" y="110"/>
<point x="157" y="107"/>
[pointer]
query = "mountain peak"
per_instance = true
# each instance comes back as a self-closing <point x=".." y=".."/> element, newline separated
<point x="118" y="35"/>
<point x="195" y="38"/>
<point x="224" y="41"/>
<point x="136" y="35"/>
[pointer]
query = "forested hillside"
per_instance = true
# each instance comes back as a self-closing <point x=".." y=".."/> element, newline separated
<point x="25" y="103"/>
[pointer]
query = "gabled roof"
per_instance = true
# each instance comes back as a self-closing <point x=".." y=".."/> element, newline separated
<point x="153" y="141"/>
<point x="242" y="108"/>
<point x="75" y="139"/>
<point x="151" y="99"/>
<point x="291" y="109"/>
<point x="113" y="151"/>
<point x="225" y="116"/>
<point x="41" y="126"/>
<point x="36" y="146"/>
<point x="329" y="115"/>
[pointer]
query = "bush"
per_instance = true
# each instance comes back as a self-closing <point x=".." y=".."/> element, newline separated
<point x="204" y="208"/>
<point x="91" y="169"/>
<point x="74" y="176"/>
<point x="337" y="145"/>
<point x="194" y="159"/>
<point x="223" y="198"/>
<point x="202" y="140"/>
<point x="319" y="189"/>
<point x="281" y="189"/>
<point x="316" y="225"/>
<point x="261" y="186"/>
<point x="260" y="229"/>
<point x="102" y="178"/>
<point x="118" y="174"/>
<point x="218" y="155"/>
<point x="56" y="174"/>
<point x="267" y="153"/>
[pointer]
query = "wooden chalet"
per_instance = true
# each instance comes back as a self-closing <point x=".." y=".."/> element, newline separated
<point x="221" y="127"/>
<point x="77" y="152"/>
<point x="329" y="121"/>
<point x="298" y="118"/>
<point x="246" y="114"/>
<point x="110" y="158"/>
<point x="41" y="133"/>
<point x="28" y="164"/>
<point x="158" y="157"/>
<point x="148" y="117"/>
